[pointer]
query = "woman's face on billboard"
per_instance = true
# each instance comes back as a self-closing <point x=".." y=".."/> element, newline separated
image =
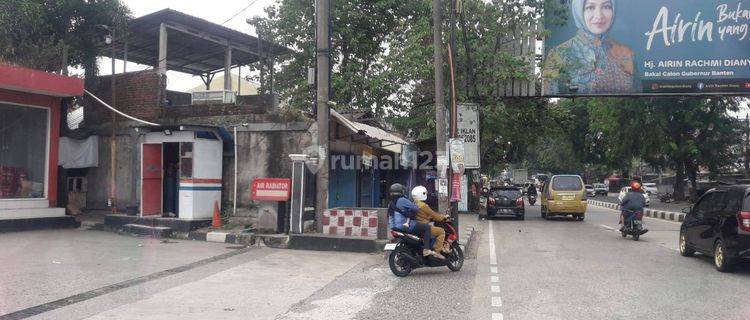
<point x="598" y="15"/>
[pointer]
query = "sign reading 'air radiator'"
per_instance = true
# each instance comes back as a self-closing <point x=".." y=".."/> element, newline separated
<point x="271" y="189"/>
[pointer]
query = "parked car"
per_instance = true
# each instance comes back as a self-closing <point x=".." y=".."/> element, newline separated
<point x="650" y="188"/>
<point x="564" y="195"/>
<point x="718" y="225"/>
<point x="590" y="191"/>
<point x="625" y="191"/>
<point x="506" y="201"/>
<point x="601" y="189"/>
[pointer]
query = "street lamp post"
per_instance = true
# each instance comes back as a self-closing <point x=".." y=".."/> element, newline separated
<point x="110" y="40"/>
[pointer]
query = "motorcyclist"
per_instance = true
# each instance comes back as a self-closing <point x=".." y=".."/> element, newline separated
<point x="531" y="191"/>
<point x="427" y="215"/>
<point x="402" y="214"/>
<point x="633" y="201"/>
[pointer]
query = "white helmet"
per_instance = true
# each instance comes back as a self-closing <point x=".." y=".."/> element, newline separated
<point x="419" y="193"/>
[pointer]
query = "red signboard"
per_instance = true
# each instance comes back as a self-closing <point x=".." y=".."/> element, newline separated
<point x="271" y="189"/>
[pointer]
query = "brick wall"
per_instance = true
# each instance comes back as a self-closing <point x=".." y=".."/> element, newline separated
<point x="137" y="95"/>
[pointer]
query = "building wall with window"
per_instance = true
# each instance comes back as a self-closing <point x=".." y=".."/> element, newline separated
<point x="30" y="103"/>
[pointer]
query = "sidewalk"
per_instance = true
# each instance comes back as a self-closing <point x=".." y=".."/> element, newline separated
<point x="261" y="289"/>
<point x="649" y="212"/>
<point x="655" y="203"/>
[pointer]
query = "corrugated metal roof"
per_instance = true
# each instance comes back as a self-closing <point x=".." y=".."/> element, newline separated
<point x="187" y="52"/>
<point x="395" y="142"/>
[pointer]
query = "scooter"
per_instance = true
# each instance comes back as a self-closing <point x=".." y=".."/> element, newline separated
<point x="406" y="252"/>
<point x="633" y="225"/>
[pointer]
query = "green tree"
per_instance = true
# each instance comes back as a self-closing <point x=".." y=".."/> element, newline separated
<point x="53" y="34"/>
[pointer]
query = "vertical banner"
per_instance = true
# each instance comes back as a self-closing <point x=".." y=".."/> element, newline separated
<point x="463" y="204"/>
<point x="457" y="155"/>
<point x="456" y="187"/>
<point x="442" y="187"/>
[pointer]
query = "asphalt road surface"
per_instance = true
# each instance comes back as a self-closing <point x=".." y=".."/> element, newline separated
<point x="532" y="269"/>
<point x="562" y="269"/>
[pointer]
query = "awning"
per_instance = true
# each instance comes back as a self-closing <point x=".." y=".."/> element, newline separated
<point x="373" y="136"/>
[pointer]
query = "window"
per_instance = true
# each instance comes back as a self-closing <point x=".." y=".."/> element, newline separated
<point x="186" y="159"/>
<point x="508" y="193"/>
<point x="718" y="203"/>
<point x="23" y="151"/>
<point x="703" y="206"/>
<point x="567" y="183"/>
<point x="205" y="135"/>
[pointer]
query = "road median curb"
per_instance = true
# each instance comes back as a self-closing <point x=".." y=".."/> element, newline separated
<point x="658" y="214"/>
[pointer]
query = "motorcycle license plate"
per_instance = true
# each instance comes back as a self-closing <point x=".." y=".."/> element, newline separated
<point x="390" y="246"/>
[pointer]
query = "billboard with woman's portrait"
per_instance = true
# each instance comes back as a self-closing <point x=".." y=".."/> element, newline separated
<point x="643" y="47"/>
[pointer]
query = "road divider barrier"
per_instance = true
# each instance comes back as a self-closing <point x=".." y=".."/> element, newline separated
<point x="658" y="214"/>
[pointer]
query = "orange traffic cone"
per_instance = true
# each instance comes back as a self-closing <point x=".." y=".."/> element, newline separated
<point x="217" y="223"/>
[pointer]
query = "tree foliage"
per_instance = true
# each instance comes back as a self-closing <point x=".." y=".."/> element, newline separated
<point x="41" y="34"/>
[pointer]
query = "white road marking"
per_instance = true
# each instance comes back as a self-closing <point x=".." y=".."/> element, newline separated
<point x="607" y="227"/>
<point x="497" y="302"/>
<point x="493" y="255"/>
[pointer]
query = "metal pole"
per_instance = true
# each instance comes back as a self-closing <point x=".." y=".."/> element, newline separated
<point x="323" y="112"/>
<point x="234" y="202"/>
<point x="440" y="116"/>
<point x="113" y="144"/>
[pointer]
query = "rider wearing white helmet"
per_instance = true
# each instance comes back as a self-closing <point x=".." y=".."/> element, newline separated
<point x="427" y="215"/>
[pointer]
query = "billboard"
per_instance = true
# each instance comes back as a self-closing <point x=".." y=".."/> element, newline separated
<point x="648" y="47"/>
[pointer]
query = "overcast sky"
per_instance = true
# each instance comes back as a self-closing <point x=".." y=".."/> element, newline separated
<point x="216" y="11"/>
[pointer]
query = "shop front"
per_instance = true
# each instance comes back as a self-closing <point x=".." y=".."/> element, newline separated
<point x="30" y="106"/>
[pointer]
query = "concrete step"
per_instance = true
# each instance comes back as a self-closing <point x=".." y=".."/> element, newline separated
<point x="149" y="231"/>
<point x="12" y="225"/>
<point x="322" y="242"/>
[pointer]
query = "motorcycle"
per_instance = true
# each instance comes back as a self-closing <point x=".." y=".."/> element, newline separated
<point x="406" y="252"/>
<point x="532" y="199"/>
<point x="633" y="224"/>
<point x="666" y="197"/>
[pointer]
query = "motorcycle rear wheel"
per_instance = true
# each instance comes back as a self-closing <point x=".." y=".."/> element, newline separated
<point x="399" y="265"/>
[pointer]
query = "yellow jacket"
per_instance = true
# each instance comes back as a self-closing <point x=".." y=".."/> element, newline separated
<point x="425" y="213"/>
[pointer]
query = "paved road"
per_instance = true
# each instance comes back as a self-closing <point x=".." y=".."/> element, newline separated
<point x="561" y="269"/>
<point x="533" y="269"/>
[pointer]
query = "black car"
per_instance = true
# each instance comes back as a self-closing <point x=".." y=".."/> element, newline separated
<point x="719" y="225"/>
<point x="506" y="201"/>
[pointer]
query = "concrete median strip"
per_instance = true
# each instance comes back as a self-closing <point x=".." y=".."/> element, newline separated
<point x="658" y="214"/>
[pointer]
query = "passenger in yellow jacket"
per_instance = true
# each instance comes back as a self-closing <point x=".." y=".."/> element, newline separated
<point x="427" y="215"/>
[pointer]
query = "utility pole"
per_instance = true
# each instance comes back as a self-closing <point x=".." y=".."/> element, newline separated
<point x="113" y="142"/>
<point x="440" y="117"/>
<point x="322" y="8"/>
<point x="745" y="145"/>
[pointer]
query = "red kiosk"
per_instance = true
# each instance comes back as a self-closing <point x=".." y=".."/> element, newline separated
<point x="30" y="106"/>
